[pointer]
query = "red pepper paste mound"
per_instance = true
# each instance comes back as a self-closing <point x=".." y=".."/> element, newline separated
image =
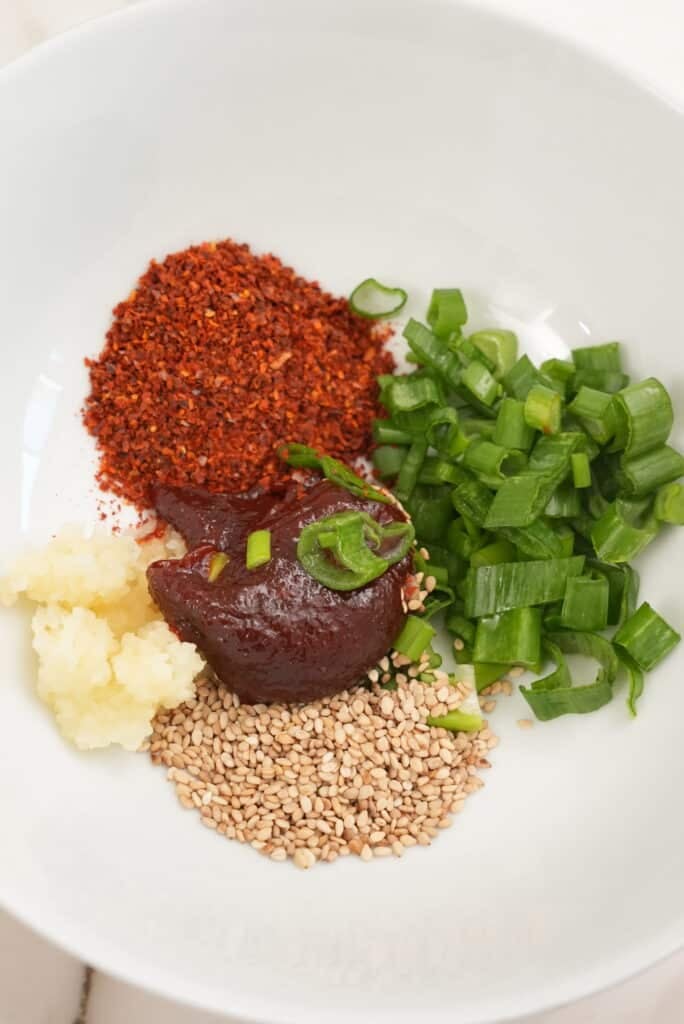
<point x="273" y="633"/>
<point x="215" y="359"/>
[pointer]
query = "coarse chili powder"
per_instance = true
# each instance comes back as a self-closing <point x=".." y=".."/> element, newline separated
<point x="218" y="357"/>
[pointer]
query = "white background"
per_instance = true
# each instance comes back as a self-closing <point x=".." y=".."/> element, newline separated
<point x="42" y="985"/>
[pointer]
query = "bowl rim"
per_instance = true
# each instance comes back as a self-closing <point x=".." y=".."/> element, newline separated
<point x="115" y="961"/>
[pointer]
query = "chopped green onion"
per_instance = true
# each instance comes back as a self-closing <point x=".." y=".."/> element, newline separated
<point x="405" y="394"/>
<point x="258" y="549"/>
<point x="430" y="510"/>
<point x="415" y="637"/>
<point x="543" y="409"/>
<point x="477" y="379"/>
<point x="610" y="381"/>
<point x="432" y="351"/>
<point x="216" y="566"/>
<point x="624" y="529"/>
<point x="386" y="432"/>
<point x="459" y="625"/>
<point x="581" y="471"/>
<point x="585" y="604"/>
<point x="554" y="695"/>
<point x="497" y="588"/>
<point x="646" y="637"/>
<point x="623" y="589"/>
<point x="512" y="637"/>
<point x="467" y="351"/>
<point x="336" y="550"/>
<point x="644" y="417"/>
<point x="436" y="470"/>
<point x="491" y="462"/>
<point x="376" y="301"/>
<point x="511" y="429"/>
<point x="522" y="498"/>
<point x="500" y="346"/>
<point x="456" y="721"/>
<point x="410" y="468"/>
<point x="447" y="311"/>
<point x="564" y="503"/>
<point x="669" y="504"/>
<point x="301" y="455"/>
<point x="444" y="433"/>
<point x="493" y="554"/>
<point x="636" y="681"/>
<point x="560" y="374"/>
<point x="522" y="376"/>
<point x="596" y="411"/>
<point x="598" y="357"/>
<point x="647" y="472"/>
<point x="388" y="459"/>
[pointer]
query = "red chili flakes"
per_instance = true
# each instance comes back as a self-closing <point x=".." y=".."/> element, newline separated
<point x="216" y="358"/>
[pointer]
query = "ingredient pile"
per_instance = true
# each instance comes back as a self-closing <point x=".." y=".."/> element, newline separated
<point x="272" y="639"/>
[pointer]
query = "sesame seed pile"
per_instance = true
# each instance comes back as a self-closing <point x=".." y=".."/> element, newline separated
<point x="357" y="773"/>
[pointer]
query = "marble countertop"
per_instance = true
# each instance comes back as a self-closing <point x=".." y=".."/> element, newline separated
<point x="40" y="984"/>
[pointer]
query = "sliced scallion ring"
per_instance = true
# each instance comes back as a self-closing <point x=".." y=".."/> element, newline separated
<point x="376" y="301"/>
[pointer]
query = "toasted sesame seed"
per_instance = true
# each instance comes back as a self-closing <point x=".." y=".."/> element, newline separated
<point x="458" y="644"/>
<point x="359" y="772"/>
<point x="525" y="723"/>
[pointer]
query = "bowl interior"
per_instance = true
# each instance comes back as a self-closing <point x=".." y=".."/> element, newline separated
<point x="425" y="144"/>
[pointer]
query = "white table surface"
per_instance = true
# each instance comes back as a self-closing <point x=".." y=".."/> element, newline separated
<point x="40" y="984"/>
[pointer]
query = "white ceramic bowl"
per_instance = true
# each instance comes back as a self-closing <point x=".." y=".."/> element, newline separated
<point x="427" y="144"/>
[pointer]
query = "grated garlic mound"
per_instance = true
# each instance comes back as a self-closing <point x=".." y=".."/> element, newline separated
<point x="107" y="661"/>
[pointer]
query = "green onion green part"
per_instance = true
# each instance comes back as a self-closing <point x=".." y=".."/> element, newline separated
<point x="258" y="549"/>
<point x="543" y="409"/>
<point x="512" y="430"/>
<point x="585" y="604"/>
<point x="415" y="637"/>
<point x="646" y="637"/>
<point x="581" y="470"/>
<point x="669" y="504"/>
<point x="456" y="721"/>
<point x="376" y="301"/>
<point x="447" y="311"/>
<point x="497" y="588"/>
<point x="509" y="638"/>
<point x="645" y="473"/>
<point x="216" y="566"/>
<point x="347" y="550"/>
<point x="500" y="346"/>
<point x="554" y="695"/>
<point x="302" y="456"/>
<point x="644" y="417"/>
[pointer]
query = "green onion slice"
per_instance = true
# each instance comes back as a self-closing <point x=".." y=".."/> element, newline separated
<point x="623" y="589"/>
<point x="644" y="417"/>
<point x="217" y="564"/>
<point x="647" y="472"/>
<point x="415" y="637"/>
<point x="302" y="456"/>
<point x="543" y="409"/>
<point x="585" y="604"/>
<point x="258" y="549"/>
<point x="554" y="695"/>
<point x="636" y="681"/>
<point x="624" y="529"/>
<point x="509" y="638"/>
<point x="337" y="550"/>
<point x="447" y="311"/>
<point x="500" y="346"/>
<point x="376" y="301"/>
<point x="512" y="430"/>
<point x="497" y="588"/>
<point x="646" y="637"/>
<point x="669" y="504"/>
